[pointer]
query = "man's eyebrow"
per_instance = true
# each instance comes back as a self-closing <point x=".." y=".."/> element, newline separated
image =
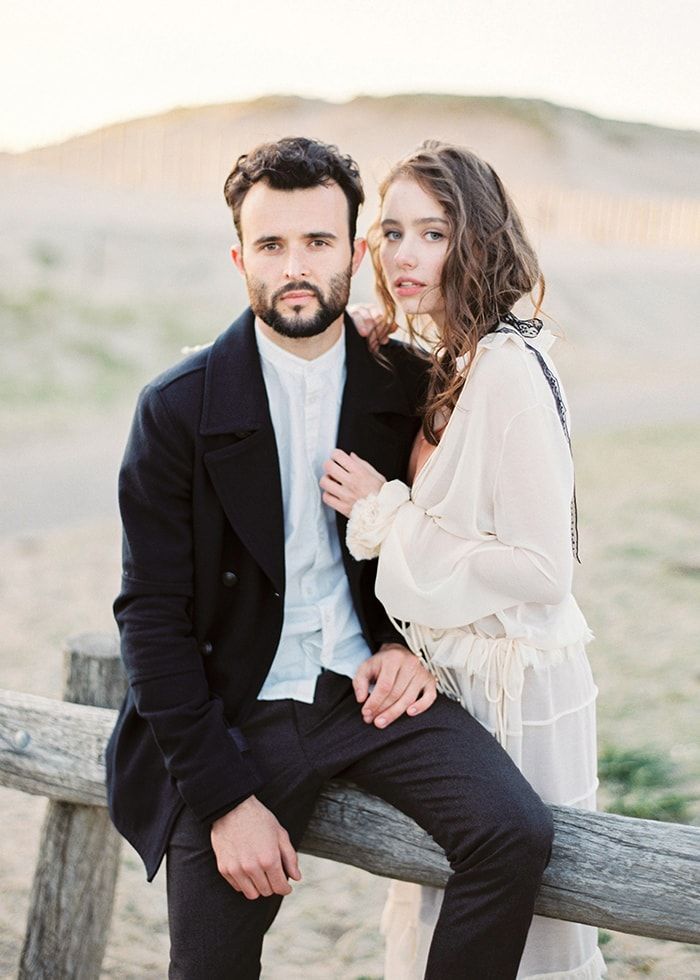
<point x="309" y="236"/>
<point x="266" y="239"/>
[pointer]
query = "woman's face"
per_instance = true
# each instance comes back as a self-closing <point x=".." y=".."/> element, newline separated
<point x="414" y="239"/>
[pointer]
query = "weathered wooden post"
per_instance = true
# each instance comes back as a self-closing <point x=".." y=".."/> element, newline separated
<point x="76" y="873"/>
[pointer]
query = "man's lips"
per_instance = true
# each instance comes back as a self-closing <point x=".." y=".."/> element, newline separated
<point x="298" y="294"/>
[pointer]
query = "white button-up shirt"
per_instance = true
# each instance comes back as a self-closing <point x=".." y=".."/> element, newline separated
<point x="321" y="628"/>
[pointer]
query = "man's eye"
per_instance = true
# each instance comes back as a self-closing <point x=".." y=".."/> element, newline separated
<point x="270" y="246"/>
<point x="319" y="243"/>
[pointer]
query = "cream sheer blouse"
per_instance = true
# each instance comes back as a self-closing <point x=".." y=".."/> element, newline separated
<point x="475" y="561"/>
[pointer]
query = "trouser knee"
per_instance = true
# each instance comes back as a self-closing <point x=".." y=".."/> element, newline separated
<point x="533" y="838"/>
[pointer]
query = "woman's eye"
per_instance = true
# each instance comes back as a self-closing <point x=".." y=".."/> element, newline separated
<point x="392" y="236"/>
<point x="434" y="236"/>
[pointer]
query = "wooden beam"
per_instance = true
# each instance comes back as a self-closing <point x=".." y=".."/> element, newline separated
<point x="636" y="876"/>
<point x="76" y="873"/>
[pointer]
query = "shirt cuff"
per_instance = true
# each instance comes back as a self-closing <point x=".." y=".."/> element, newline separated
<point x="372" y="517"/>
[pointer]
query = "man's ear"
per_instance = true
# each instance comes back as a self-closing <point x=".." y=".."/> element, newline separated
<point x="237" y="257"/>
<point x="359" y="247"/>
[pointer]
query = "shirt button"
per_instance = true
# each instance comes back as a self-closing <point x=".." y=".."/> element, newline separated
<point x="229" y="579"/>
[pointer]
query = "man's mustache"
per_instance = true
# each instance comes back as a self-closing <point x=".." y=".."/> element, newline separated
<point x="296" y="287"/>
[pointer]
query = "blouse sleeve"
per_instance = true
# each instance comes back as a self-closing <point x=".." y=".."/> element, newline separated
<point x="433" y="576"/>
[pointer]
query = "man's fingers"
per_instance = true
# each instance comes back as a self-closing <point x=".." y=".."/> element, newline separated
<point x="257" y="875"/>
<point x="290" y="861"/>
<point x="247" y="887"/>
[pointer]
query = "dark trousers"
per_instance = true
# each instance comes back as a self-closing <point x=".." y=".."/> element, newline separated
<point x="441" y="768"/>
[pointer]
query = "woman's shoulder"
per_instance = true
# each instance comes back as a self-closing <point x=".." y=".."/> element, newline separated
<point x="508" y="372"/>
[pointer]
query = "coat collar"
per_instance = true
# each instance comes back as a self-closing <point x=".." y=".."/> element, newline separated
<point x="234" y="394"/>
<point x="234" y="391"/>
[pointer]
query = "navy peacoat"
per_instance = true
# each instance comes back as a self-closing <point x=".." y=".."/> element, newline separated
<point x="202" y="597"/>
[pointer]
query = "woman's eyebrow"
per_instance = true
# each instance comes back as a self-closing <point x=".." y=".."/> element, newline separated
<point x="418" y="221"/>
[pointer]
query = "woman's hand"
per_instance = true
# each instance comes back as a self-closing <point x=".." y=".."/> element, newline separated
<point x="370" y="323"/>
<point x="347" y="479"/>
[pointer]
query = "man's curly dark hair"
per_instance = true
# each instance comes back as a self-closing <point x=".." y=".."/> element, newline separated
<point x="293" y="163"/>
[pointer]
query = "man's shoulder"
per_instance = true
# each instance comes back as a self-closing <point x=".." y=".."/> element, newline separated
<point x="184" y="372"/>
<point x="410" y="365"/>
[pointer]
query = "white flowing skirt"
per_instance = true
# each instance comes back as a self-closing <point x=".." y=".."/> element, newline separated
<point x="541" y="707"/>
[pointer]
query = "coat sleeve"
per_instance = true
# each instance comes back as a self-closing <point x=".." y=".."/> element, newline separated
<point x="154" y="614"/>
<point x="430" y="575"/>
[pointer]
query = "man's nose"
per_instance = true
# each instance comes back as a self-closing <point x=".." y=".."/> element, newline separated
<point x="297" y="265"/>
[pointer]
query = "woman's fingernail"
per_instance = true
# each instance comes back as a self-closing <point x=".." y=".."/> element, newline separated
<point x="381" y="722"/>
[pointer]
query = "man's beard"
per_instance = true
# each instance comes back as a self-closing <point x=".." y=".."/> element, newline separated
<point x="330" y="307"/>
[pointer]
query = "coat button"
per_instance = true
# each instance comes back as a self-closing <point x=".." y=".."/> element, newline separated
<point x="276" y="595"/>
<point x="206" y="648"/>
<point x="229" y="579"/>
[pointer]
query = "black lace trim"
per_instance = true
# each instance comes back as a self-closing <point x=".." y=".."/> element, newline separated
<point x="531" y="328"/>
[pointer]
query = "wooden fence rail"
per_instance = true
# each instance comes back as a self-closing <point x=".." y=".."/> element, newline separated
<point x="636" y="876"/>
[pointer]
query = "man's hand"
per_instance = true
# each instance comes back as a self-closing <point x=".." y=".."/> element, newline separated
<point x="401" y="684"/>
<point x="253" y="851"/>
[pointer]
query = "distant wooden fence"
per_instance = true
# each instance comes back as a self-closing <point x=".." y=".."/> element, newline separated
<point x="594" y="216"/>
<point x="141" y="154"/>
<point x="636" y="876"/>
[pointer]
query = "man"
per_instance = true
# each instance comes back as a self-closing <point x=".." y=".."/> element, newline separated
<point x="251" y="639"/>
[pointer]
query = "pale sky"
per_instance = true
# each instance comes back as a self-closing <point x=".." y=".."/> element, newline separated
<point x="68" y="66"/>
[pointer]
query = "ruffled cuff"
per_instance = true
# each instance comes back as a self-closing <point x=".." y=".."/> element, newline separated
<point x="371" y="517"/>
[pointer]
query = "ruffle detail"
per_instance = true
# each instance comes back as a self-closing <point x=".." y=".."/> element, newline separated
<point x="371" y="518"/>
<point x="593" y="969"/>
<point x="499" y="662"/>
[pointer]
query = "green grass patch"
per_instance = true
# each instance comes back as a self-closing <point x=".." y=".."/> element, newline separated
<point x="639" y="783"/>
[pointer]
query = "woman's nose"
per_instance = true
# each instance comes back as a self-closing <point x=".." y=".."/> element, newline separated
<point x="405" y="259"/>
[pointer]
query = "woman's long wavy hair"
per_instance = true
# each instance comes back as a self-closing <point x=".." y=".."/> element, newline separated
<point x="489" y="264"/>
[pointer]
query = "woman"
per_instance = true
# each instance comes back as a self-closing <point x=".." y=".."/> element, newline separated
<point x="476" y="559"/>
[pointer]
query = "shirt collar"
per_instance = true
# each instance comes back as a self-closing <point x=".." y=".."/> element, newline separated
<point x="284" y="361"/>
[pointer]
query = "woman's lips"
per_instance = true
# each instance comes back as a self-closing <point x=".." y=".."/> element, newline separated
<point x="408" y="287"/>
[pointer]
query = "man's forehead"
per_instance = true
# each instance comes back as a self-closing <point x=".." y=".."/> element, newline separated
<point x="266" y="205"/>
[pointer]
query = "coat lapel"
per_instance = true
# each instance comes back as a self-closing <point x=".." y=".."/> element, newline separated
<point x="245" y="469"/>
<point x="372" y="392"/>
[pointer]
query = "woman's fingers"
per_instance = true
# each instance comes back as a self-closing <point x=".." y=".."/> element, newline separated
<point x="427" y="698"/>
<point x="408" y="700"/>
<point x="349" y="478"/>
